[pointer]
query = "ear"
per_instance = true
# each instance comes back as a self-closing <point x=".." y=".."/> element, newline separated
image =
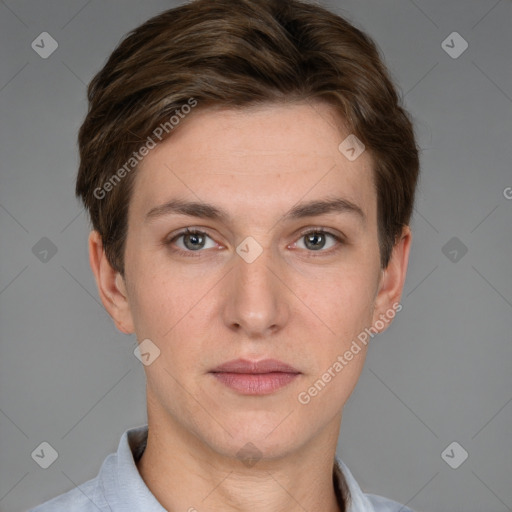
<point x="111" y="285"/>
<point x="392" y="281"/>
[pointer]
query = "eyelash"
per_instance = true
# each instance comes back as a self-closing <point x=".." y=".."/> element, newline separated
<point x="193" y="231"/>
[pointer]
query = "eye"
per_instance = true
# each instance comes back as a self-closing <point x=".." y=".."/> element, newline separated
<point x="193" y="241"/>
<point x="316" y="240"/>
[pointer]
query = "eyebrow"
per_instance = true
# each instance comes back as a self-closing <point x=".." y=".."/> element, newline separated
<point x="210" y="211"/>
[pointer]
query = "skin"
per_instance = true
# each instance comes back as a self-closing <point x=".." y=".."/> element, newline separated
<point x="300" y="305"/>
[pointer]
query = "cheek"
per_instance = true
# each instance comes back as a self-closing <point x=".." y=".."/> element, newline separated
<point x="170" y="310"/>
<point x="340" y="354"/>
<point x="347" y="298"/>
<point x="154" y="302"/>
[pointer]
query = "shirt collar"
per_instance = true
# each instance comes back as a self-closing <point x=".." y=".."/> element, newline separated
<point x="123" y="485"/>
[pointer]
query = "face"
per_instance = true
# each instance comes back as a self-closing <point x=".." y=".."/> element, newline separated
<point x="268" y="272"/>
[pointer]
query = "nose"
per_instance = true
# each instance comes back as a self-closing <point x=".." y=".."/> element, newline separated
<point x="257" y="300"/>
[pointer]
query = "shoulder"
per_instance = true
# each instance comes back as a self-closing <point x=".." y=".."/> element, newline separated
<point x="381" y="504"/>
<point x="118" y="483"/>
<point x="87" y="497"/>
<point x="365" y="502"/>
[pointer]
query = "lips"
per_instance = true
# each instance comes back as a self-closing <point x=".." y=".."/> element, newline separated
<point x="255" y="377"/>
<point x="255" y="367"/>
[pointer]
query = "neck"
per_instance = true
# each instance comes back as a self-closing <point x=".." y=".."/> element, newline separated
<point x="184" y="473"/>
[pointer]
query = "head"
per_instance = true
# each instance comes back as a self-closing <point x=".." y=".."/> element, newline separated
<point x="243" y="108"/>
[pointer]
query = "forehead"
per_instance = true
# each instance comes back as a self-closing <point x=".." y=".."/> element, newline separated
<point x="254" y="161"/>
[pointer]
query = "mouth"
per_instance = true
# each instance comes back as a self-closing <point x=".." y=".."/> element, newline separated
<point x="255" y="377"/>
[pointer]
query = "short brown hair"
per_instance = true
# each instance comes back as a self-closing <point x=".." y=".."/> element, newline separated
<point x="237" y="53"/>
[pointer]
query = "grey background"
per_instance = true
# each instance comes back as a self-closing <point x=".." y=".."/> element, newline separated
<point x="441" y="373"/>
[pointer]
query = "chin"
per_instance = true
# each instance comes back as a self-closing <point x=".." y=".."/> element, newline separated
<point x="253" y="441"/>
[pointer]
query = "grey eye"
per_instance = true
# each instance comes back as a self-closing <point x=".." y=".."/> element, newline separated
<point x="194" y="241"/>
<point x="316" y="240"/>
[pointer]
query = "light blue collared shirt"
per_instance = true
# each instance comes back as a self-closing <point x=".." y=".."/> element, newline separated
<point x="120" y="488"/>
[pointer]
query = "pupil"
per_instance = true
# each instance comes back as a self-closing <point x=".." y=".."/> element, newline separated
<point x="311" y="241"/>
<point x="194" y="238"/>
<point x="314" y="238"/>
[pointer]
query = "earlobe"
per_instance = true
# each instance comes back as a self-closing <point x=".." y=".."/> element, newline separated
<point x="111" y="286"/>
<point x="393" y="279"/>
